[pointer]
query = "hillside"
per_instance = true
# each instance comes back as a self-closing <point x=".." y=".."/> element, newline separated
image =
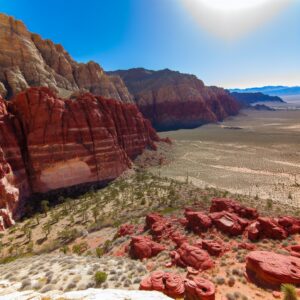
<point x="173" y="100"/>
<point x="246" y="99"/>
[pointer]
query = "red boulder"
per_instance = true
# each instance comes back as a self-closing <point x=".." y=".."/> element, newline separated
<point x="188" y="255"/>
<point x="294" y="250"/>
<point x="151" y="219"/>
<point x="290" y="224"/>
<point x="230" y="205"/>
<point x="229" y="223"/>
<point x="266" y="227"/>
<point x="126" y="229"/>
<point x="197" y="221"/>
<point x="143" y="247"/>
<point x="269" y="269"/>
<point x="214" y="248"/>
<point x="199" y="289"/>
<point x="168" y="283"/>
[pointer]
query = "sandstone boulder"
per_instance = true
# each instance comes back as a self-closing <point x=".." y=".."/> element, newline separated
<point x="270" y="269"/>
<point x="214" y="248"/>
<point x="144" y="247"/>
<point x="126" y="229"/>
<point x="290" y="224"/>
<point x="228" y="222"/>
<point x="230" y="205"/>
<point x="266" y="227"/>
<point x="197" y="221"/>
<point x="188" y="255"/>
<point x="168" y="283"/>
<point x="199" y="289"/>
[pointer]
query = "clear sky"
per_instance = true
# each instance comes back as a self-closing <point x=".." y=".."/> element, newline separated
<point x="227" y="45"/>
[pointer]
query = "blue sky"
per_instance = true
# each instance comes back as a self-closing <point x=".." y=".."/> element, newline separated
<point x="157" y="34"/>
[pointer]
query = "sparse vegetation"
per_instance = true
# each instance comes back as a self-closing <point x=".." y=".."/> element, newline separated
<point x="100" y="277"/>
<point x="289" y="292"/>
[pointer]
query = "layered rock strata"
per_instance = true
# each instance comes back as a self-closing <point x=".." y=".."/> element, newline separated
<point x="172" y="100"/>
<point x="48" y="143"/>
<point x="28" y="60"/>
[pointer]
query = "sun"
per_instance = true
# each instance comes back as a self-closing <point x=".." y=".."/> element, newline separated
<point x="232" y="19"/>
<point x="233" y="5"/>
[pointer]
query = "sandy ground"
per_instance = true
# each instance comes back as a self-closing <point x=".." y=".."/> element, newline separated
<point x="256" y="153"/>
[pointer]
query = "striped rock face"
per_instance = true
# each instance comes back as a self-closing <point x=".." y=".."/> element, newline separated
<point x="48" y="143"/>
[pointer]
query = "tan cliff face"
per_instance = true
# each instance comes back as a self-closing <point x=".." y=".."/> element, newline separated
<point x="172" y="100"/>
<point x="28" y="60"/>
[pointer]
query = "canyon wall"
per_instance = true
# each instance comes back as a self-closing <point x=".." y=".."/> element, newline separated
<point x="48" y="143"/>
<point x="172" y="100"/>
<point x="27" y="60"/>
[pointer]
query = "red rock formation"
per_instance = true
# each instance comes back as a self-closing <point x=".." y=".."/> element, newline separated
<point x="126" y="229"/>
<point x="269" y="269"/>
<point x="197" y="221"/>
<point x="28" y="60"/>
<point x="294" y="250"/>
<point x="168" y="283"/>
<point x="265" y="227"/>
<point x="47" y="143"/>
<point x="228" y="223"/>
<point x="230" y="205"/>
<point x="72" y="142"/>
<point x="214" y="248"/>
<point x="290" y="224"/>
<point x="151" y="219"/>
<point x="143" y="247"/>
<point x="188" y="255"/>
<point x="173" y="100"/>
<point x="13" y="178"/>
<point x="199" y="289"/>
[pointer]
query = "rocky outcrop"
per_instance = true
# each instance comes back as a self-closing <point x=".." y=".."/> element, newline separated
<point x="143" y="247"/>
<point x="49" y="144"/>
<point x="230" y="205"/>
<point x="192" y="256"/>
<point x="14" y="185"/>
<point x="197" y="221"/>
<point x="199" y="288"/>
<point x="265" y="227"/>
<point x="270" y="269"/>
<point x="172" y="100"/>
<point x="170" y="284"/>
<point x="229" y="223"/>
<point x="28" y="60"/>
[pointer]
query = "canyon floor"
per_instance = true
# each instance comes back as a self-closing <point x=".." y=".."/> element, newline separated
<point x="256" y="153"/>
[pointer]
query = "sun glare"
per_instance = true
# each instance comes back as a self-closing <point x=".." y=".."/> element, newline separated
<point x="233" y="5"/>
<point x="231" y="19"/>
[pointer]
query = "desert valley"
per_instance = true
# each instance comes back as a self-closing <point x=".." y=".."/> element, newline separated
<point x="142" y="184"/>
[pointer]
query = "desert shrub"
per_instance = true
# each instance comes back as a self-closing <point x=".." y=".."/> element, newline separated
<point x="80" y="248"/>
<point x="99" y="252"/>
<point x="289" y="292"/>
<point x="100" y="277"/>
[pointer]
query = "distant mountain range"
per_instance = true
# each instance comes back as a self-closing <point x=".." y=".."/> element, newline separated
<point x="246" y="99"/>
<point x="271" y="90"/>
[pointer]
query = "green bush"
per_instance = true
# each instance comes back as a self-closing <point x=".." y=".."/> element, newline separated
<point x="100" y="277"/>
<point x="289" y="292"/>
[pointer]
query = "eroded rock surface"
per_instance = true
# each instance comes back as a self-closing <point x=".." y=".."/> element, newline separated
<point x="28" y="60"/>
<point x="173" y="100"/>
<point x="48" y="144"/>
<point x="271" y="269"/>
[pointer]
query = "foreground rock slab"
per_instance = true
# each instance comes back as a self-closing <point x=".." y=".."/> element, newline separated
<point x="269" y="269"/>
<point x="90" y="294"/>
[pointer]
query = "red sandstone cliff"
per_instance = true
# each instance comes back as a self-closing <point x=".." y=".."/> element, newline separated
<point x="172" y="100"/>
<point x="28" y="60"/>
<point x="47" y="143"/>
